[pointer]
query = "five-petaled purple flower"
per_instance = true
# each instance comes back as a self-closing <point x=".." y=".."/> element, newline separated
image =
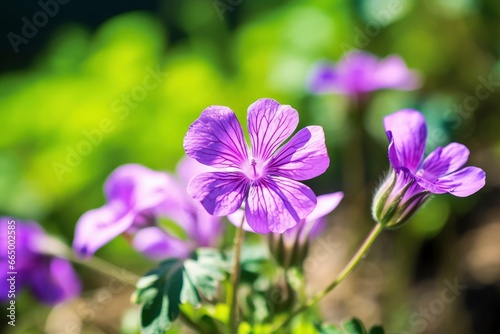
<point x="138" y="198"/>
<point x="265" y="176"/>
<point x="360" y="72"/>
<point x="412" y="180"/>
<point x="24" y="264"/>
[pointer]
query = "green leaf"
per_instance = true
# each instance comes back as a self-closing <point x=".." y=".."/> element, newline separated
<point x="303" y="325"/>
<point x="172" y="228"/>
<point x="253" y="256"/>
<point x="328" y="329"/>
<point x="175" y="282"/>
<point x="156" y="291"/>
<point x="246" y="328"/>
<point x="354" y="326"/>
<point x="221" y="313"/>
<point x="377" y="330"/>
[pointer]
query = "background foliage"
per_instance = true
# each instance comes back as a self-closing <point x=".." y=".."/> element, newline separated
<point x="78" y="70"/>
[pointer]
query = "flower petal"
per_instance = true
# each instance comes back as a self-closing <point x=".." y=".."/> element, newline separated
<point x="236" y="217"/>
<point x="216" y="139"/>
<point x="220" y="193"/>
<point x="208" y="228"/>
<point x="462" y="183"/>
<point x="315" y="222"/>
<point x="27" y="236"/>
<point x="275" y="204"/>
<point x="443" y="161"/>
<point x="324" y="78"/>
<point x="407" y="133"/>
<point x="392" y="72"/>
<point x="188" y="168"/>
<point x="326" y="204"/>
<point x="269" y="125"/>
<point x="356" y="72"/>
<point x="303" y="157"/>
<point x="53" y="280"/>
<point x="99" y="226"/>
<point x="141" y="188"/>
<point x="158" y="245"/>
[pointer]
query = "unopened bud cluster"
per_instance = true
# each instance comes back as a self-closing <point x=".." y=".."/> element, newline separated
<point x="397" y="199"/>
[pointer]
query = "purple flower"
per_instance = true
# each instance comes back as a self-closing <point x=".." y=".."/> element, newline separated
<point x="360" y="72"/>
<point x="264" y="176"/>
<point x="411" y="180"/>
<point x="52" y="280"/>
<point x="138" y="199"/>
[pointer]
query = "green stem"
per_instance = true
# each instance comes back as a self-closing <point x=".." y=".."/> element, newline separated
<point x="54" y="247"/>
<point x="235" y="278"/>
<point x="355" y="260"/>
<point x="352" y="154"/>
<point x="106" y="268"/>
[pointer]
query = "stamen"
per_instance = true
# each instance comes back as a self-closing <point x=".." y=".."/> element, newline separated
<point x="253" y="163"/>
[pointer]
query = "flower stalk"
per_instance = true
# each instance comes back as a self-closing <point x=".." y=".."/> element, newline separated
<point x="355" y="260"/>
<point x="235" y="278"/>
<point x="54" y="247"/>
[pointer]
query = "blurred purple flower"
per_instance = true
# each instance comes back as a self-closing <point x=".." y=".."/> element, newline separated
<point x="137" y="199"/>
<point x="360" y="72"/>
<point x="265" y="176"/>
<point x="52" y="280"/>
<point x="135" y="196"/>
<point x="201" y="229"/>
<point x="413" y="179"/>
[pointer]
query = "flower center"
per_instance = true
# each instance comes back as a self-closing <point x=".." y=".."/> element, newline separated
<point x="254" y="163"/>
<point x="256" y="170"/>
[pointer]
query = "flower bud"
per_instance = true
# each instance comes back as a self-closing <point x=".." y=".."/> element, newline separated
<point x="288" y="249"/>
<point x="397" y="199"/>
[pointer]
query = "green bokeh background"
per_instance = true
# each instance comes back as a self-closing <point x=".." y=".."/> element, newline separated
<point x="80" y="77"/>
